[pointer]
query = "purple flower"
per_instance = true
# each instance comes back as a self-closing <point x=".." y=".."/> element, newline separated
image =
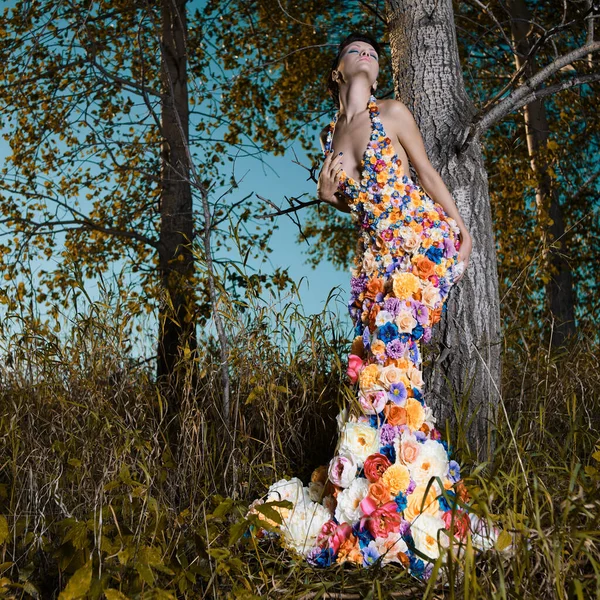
<point x="426" y="334"/>
<point x="421" y="312"/>
<point x="414" y="353"/>
<point x="421" y="437"/>
<point x="370" y="555"/>
<point x="358" y="284"/>
<point x="366" y="337"/>
<point x="411" y="487"/>
<point x="397" y="393"/>
<point x="387" y="434"/>
<point x="395" y="349"/>
<point x="404" y="525"/>
<point x="320" y="557"/>
<point x="449" y="249"/>
<point x="453" y="471"/>
<point x="392" y="305"/>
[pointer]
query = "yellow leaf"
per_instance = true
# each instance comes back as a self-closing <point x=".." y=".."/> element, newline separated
<point x="114" y="595"/>
<point x="79" y="583"/>
<point x="504" y="541"/>
<point x="4" y="533"/>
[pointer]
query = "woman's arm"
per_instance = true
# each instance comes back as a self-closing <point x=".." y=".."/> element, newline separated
<point x="409" y="136"/>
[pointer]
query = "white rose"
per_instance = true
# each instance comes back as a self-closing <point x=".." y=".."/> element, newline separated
<point x="424" y="530"/>
<point x="383" y="317"/>
<point x="415" y="376"/>
<point x="430" y="295"/>
<point x="432" y="461"/>
<point x="342" y="470"/>
<point x="348" y="501"/>
<point x="390" y="546"/>
<point x="410" y="240"/>
<point x="358" y="440"/>
<point x="292" y="490"/>
<point x="369" y="263"/>
<point x="301" y="528"/>
<point x="405" y="321"/>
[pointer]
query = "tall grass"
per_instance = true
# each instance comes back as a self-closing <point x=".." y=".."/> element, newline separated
<point x="97" y="502"/>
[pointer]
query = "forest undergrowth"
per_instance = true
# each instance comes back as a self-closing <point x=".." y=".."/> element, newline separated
<point x="97" y="502"/>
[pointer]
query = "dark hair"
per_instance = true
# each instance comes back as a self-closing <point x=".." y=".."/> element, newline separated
<point x="332" y="85"/>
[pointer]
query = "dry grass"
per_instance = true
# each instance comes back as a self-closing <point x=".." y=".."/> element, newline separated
<point x="93" y="494"/>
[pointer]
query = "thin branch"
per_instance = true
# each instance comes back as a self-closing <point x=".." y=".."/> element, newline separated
<point x="524" y="92"/>
<point x="559" y="87"/>
<point x="285" y="211"/>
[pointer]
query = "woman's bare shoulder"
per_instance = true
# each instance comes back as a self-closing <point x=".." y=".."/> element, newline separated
<point x="394" y="108"/>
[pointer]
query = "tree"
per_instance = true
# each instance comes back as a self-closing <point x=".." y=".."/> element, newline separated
<point x="112" y="161"/>
<point x="428" y="78"/>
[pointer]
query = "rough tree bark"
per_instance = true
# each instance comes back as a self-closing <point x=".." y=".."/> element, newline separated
<point x="176" y="261"/>
<point x="559" y="289"/>
<point x="429" y="80"/>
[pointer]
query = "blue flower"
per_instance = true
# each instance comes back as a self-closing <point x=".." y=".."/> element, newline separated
<point x="417" y="566"/>
<point x="389" y="451"/>
<point x="370" y="555"/>
<point x="401" y="501"/>
<point x="435" y="254"/>
<point x="447" y="500"/>
<point x="321" y="557"/>
<point x="388" y="332"/>
<point x="417" y="332"/>
<point x="453" y="471"/>
<point x="363" y="535"/>
<point x="418" y="396"/>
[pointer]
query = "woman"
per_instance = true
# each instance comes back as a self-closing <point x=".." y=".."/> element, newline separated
<point x="391" y="492"/>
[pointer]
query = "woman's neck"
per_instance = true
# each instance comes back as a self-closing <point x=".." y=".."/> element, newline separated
<point x="354" y="98"/>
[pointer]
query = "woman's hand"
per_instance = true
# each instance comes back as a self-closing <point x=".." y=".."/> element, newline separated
<point x="329" y="179"/>
<point x="464" y="252"/>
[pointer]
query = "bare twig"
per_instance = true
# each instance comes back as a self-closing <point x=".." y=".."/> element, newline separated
<point x="525" y="92"/>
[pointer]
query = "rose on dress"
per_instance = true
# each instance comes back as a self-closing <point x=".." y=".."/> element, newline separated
<point x="342" y="470"/>
<point x="355" y="364"/>
<point x="375" y="466"/>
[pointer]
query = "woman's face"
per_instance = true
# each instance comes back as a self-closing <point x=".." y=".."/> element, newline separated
<point x="357" y="58"/>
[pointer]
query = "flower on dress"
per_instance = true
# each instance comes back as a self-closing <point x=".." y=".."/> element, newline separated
<point x="428" y="532"/>
<point x="431" y="462"/>
<point x="302" y="526"/>
<point x="375" y="466"/>
<point x="342" y="470"/>
<point x="358" y="440"/>
<point x="348" y="501"/>
<point x="387" y="332"/>
<point x="355" y="364"/>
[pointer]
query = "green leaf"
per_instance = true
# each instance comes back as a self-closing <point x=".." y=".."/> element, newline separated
<point x="79" y="583"/>
<point x="4" y="532"/>
<point x="504" y="541"/>
<point x="237" y="530"/>
<point x="145" y="573"/>
<point x="112" y="594"/>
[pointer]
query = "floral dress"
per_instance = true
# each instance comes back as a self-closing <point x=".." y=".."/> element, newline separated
<point x="391" y="493"/>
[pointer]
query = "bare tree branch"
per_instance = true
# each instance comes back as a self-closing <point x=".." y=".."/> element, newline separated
<point x="525" y="92"/>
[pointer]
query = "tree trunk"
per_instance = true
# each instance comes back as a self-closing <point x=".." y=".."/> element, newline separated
<point x="176" y="262"/>
<point x="429" y="80"/>
<point x="559" y="289"/>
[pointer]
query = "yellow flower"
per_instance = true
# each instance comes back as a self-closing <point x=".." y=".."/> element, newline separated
<point x="418" y="503"/>
<point x="396" y="478"/>
<point x="369" y="376"/>
<point x="415" y="415"/>
<point x="405" y="285"/>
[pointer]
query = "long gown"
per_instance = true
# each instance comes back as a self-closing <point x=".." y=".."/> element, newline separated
<point x="391" y="493"/>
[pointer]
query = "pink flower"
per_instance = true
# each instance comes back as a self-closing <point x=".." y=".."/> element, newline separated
<point x="383" y="520"/>
<point x="342" y="470"/>
<point x="355" y="364"/>
<point x="459" y="523"/>
<point x="372" y="402"/>
<point x="328" y="528"/>
<point x="342" y="533"/>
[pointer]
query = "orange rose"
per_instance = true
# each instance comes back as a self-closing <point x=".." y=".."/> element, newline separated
<point x="435" y="315"/>
<point x="423" y="267"/>
<point x="395" y="415"/>
<point x="379" y="492"/>
<point x="374" y="287"/>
